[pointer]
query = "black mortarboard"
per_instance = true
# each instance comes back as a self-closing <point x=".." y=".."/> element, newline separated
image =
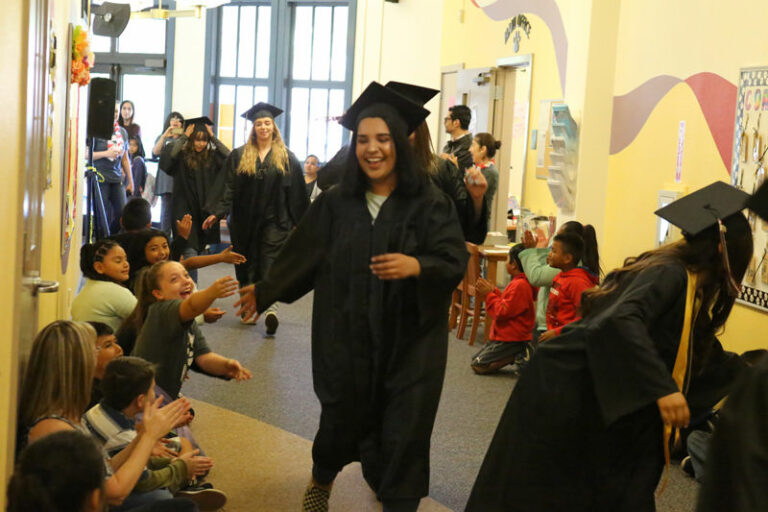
<point x="415" y="93"/>
<point x="198" y="121"/>
<point x="260" y="110"/>
<point x="702" y="209"/>
<point x="758" y="203"/>
<point x="378" y="95"/>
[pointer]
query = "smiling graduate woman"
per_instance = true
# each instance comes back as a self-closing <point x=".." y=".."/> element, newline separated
<point x="266" y="196"/>
<point x="382" y="251"/>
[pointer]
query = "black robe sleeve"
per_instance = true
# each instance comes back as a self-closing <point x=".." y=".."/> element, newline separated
<point x="292" y="275"/>
<point x="451" y="181"/>
<point x="224" y="205"/>
<point x="215" y="195"/>
<point x="736" y="470"/>
<point x="297" y="199"/>
<point x="444" y="260"/>
<point x="169" y="157"/>
<point x="331" y="173"/>
<point x="627" y="370"/>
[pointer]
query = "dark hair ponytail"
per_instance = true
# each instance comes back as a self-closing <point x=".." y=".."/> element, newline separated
<point x="591" y="256"/>
<point x="93" y="253"/>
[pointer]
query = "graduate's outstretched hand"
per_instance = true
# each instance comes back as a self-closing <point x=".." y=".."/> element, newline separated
<point x="674" y="410"/>
<point x="395" y="266"/>
<point x="209" y="221"/>
<point x="184" y="226"/>
<point x="234" y="370"/>
<point x="547" y="335"/>
<point x="247" y="303"/>
<point x="189" y="130"/>
<point x="483" y="287"/>
<point x="230" y="256"/>
<point x="210" y="131"/>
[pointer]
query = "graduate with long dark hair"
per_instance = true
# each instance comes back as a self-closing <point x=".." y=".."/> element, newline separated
<point x="196" y="163"/>
<point x="586" y="425"/>
<point x="382" y="251"/>
<point x="265" y="194"/>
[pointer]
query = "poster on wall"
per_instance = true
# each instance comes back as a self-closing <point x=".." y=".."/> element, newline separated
<point x="748" y="171"/>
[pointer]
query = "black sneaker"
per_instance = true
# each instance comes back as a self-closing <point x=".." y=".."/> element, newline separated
<point x="271" y="322"/>
<point x="205" y="496"/>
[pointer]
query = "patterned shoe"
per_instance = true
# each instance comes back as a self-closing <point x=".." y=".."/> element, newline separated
<point x="315" y="499"/>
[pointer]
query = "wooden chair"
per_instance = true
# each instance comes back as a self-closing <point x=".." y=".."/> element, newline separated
<point x="460" y="309"/>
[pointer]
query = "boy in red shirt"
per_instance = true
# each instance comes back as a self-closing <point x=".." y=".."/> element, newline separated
<point x="514" y="316"/>
<point x="568" y="285"/>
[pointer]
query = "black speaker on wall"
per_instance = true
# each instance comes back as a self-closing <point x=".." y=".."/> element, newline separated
<point x="101" y="107"/>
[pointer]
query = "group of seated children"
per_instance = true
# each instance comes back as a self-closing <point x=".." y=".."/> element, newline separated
<point x="546" y="284"/>
<point x="130" y="402"/>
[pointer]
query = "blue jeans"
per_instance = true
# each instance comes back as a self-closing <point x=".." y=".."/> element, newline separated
<point x="698" y="445"/>
<point x="113" y="197"/>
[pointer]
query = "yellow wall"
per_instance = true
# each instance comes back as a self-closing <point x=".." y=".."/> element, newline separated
<point x="681" y="39"/>
<point x="478" y="41"/>
<point x="13" y="35"/>
<point x="614" y="47"/>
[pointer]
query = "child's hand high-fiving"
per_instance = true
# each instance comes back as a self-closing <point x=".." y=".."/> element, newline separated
<point x="223" y="287"/>
<point x="230" y="256"/>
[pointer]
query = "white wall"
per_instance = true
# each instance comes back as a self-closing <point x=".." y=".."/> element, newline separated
<point x="189" y="66"/>
<point x="400" y="41"/>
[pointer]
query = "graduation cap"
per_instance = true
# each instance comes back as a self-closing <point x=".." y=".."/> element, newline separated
<point x="415" y="93"/>
<point x="758" y="203"/>
<point x="260" y="110"/>
<point x="377" y="95"/>
<point x="704" y="208"/>
<point x="198" y="121"/>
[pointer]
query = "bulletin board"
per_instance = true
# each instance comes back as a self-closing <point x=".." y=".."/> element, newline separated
<point x="748" y="171"/>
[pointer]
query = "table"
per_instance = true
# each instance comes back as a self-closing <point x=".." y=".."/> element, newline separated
<point x="493" y="254"/>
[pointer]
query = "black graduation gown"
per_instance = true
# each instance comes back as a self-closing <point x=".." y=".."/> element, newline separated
<point x="195" y="191"/>
<point x="447" y="178"/>
<point x="378" y="347"/>
<point x="736" y="471"/>
<point x="250" y="199"/>
<point x="582" y="431"/>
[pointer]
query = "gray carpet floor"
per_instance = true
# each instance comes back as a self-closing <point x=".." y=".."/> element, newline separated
<point x="280" y="393"/>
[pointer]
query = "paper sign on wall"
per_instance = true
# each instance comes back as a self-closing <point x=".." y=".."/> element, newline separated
<point x="680" y="144"/>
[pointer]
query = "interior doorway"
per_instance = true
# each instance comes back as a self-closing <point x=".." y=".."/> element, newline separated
<point x="448" y="98"/>
<point x="510" y="126"/>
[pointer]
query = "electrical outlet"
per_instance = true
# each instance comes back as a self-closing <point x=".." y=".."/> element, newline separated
<point x="460" y="15"/>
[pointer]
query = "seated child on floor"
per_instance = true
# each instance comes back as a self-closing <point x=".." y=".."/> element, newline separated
<point x="567" y="286"/>
<point x="104" y="297"/>
<point x="62" y="472"/>
<point x="107" y="349"/>
<point x="168" y="335"/>
<point x="514" y="316"/>
<point x="128" y="383"/>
